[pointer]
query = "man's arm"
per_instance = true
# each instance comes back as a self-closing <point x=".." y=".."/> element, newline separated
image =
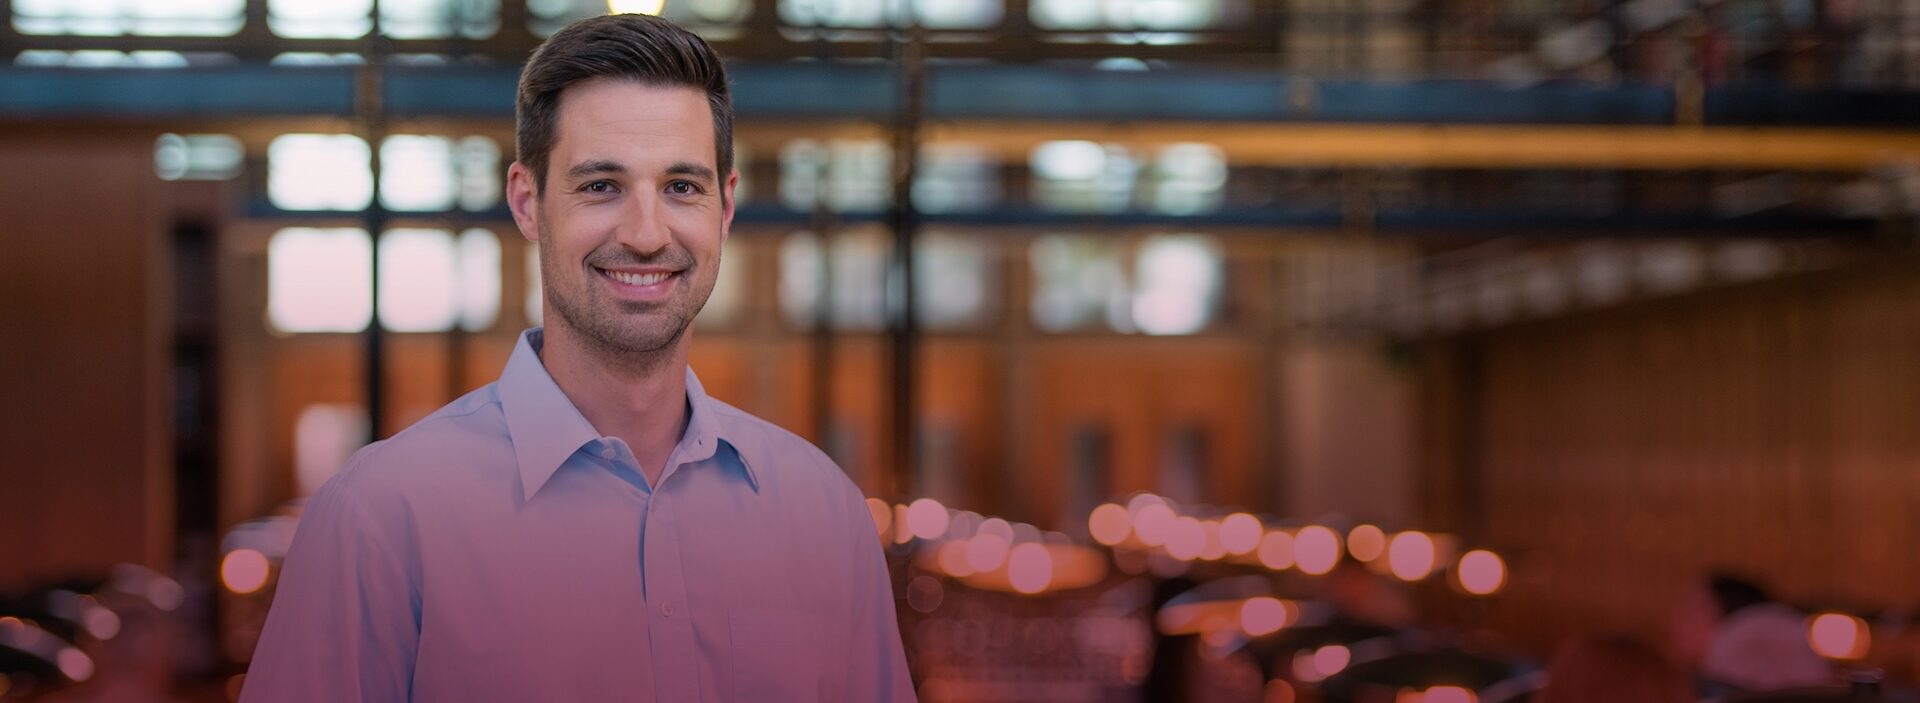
<point x="877" y="665"/>
<point x="345" y="619"/>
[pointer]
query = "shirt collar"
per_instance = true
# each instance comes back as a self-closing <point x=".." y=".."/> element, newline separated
<point x="546" y="428"/>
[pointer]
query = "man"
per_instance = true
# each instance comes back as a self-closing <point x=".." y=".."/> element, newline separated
<point x="592" y="526"/>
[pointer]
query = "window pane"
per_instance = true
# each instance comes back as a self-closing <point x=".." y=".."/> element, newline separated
<point x="319" y="280"/>
<point x="323" y="438"/>
<point x="1189" y="179"/>
<point x="114" y="17"/>
<point x="435" y="19"/>
<point x="479" y="284"/>
<point x="1080" y="282"/>
<point x="1077" y="176"/>
<point x="416" y="173"/>
<point x="320" y="19"/>
<point x="713" y="19"/>
<point x="418" y="272"/>
<point x="319" y="172"/>
<point x="934" y="14"/>
<point x="956" y="178"/>
<point x="1179" y="284"/>
<point x="1152" y="15"/>
<point x="859" y="269"/>
<point x="479" y="169"/>
<point x="954" y="281"/>
<point x="197" y="157"/>
<point x="858" y="174"/>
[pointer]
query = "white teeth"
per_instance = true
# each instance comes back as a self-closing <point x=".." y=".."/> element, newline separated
<point x="638" y="279"/>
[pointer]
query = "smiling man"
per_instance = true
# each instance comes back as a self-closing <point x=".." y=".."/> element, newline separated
<point x="592" y="526"/>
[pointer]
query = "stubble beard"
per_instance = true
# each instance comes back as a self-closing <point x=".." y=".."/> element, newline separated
<point x="598" y="324"/>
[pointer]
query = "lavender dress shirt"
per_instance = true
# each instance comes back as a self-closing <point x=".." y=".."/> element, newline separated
<point x="503" y="550"/>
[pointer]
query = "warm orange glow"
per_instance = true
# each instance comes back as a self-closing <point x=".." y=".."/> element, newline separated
<point x="1366" y="542"/>
<point x="1210" y="546"/>
<point x="1263" y="615"/>
<point x="1839" y="636"/>
<point x="1240" y="533"/>
<point x="1185" y="539"/>
<point x="1279" y="691"/>
<point x="1331" y="659"/>
<point x="901" y="535"/>
<point x="1109" y="524"/>
<point x="244" y="571"/>
<point x="953" y="559"/>
<point x="1411" y="555"/>
<point x="1276" y="550"/>
<point x="1030" y="567"/>
<point x="882" y="515"/>
<point x="1316" y="550"/>
<point x="986" y="551"/>
<point x="74" y="663"/>
<point x="1449" y="694"/>
<point x="927" y="519"/>
<point x="1482" y="573"/>
<point x="1153" y="524"/>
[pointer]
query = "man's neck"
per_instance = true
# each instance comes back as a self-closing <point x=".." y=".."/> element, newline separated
<point x="642" y="401"/>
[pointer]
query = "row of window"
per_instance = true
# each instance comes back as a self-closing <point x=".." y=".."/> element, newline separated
<point x="320" y="280"/>
<point x="478" y="19"/>
<point x="421" y="173"/>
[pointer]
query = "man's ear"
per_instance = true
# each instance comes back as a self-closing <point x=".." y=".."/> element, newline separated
<point x="523" y="198"/>
<point x="730" y="204"/>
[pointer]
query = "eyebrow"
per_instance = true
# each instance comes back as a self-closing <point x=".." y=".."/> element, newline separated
<point x="606" y="166"/>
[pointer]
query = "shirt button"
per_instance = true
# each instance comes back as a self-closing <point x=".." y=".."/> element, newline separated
<point x="666" y="609"/>
<point x="608" y="452"/>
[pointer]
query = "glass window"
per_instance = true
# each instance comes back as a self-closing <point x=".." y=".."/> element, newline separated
<point x="320" y="19"/>
<point x="478" y="165"/>
<point x="713" y="19"/>
<point x="417" y="173"/>
<point x="436" y="19"/>
<point x="106" y="58"/>
<point x="1172" y="286"/>
<point x="955" y="281"/>
<point x="479" y="282"/>
<point x="197" y="157"/>
<point x="1151" y="15"/>
<point x="956" y="178"/>
<point x="859" y="272"/>
<point x="1079" y="176"/>
<point x="319" y="172"/>
<point x="1179" y="284"/>
<point x="1080" y="282"/>
<point x="319" y="280"/>
<point x="934" y="14"/>
<point x="857" y="171"/>
<point x="1189" y="179"/>
<point x="212" y="18"/>
<point x="418" y="275"/>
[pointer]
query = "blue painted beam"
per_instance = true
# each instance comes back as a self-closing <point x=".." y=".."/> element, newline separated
<point x="867" y="91"/>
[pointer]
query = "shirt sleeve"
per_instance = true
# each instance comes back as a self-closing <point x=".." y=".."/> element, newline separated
<point x="344" y="624"/>
<point x="877" y="661"/>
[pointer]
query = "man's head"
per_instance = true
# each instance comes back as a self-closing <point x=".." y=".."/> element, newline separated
<point x="624" y="176"/>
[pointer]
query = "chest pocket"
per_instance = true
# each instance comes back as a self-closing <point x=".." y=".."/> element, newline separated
<point x="782" y="656"/>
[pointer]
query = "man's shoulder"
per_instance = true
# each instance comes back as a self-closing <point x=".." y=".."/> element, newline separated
<point x="450" y="444"/>
<point x="776" y="453"/>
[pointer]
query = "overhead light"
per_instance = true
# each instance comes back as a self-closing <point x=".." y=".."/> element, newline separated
<point x="635" y="7"/>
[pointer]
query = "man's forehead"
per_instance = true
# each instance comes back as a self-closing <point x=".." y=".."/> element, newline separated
<point x="604" y="114"/>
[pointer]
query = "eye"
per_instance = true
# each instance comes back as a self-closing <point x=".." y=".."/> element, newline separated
<point x="683" y="188"/>
<point x="598" y="187"/>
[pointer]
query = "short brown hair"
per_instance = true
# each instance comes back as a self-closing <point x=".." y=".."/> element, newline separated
<point x="640" y="48"/>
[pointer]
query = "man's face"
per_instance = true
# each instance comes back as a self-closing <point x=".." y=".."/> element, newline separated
<point x="633" y="214"/>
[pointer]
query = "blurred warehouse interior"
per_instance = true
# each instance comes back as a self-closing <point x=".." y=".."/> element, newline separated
<point x="1160" y="332"/>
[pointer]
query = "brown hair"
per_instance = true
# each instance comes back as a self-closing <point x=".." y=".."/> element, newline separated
<point x="640" y="48"/>
<point x="1611" y="669"/>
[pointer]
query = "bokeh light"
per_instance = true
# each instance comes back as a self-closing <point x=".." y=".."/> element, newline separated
<point x="1030" y="568"/>
<point x="1240" y="533"/>
<point x="1481" y="572"/>
<point x="1186" y="538"/>
<point x="1411" y="555"/>
<point x="927" y="519"/>
<point x="1316" y="550"/>
<point x="1263" y="615"/>
<point x="1366" y="542"/>
<point x="882" y="514"/>
<point x="1153" y="523"/>
<point x="1276" y="550"/>
<point x="244" y="571"/>
<point x="987" y="551"/>
<point x="1331" y="659"/>
<point x="1109" y="524"/>
<point x="952" y="558"/>
<point x="1839" y="636"/>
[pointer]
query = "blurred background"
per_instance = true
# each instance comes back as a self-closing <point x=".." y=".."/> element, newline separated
<point x="1209" y="350"/>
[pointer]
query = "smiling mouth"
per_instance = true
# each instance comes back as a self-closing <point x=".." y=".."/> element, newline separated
<point x="638" y="279"/>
